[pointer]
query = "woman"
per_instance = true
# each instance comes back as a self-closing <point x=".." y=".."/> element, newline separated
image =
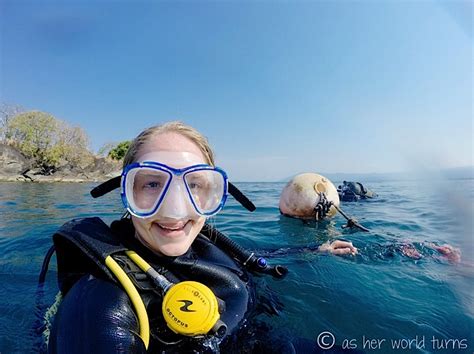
<point x="170" y="186"/>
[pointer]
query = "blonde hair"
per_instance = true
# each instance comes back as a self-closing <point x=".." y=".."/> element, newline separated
<point x="169" y="127"/>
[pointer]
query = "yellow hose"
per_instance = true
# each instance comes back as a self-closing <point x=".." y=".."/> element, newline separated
<point x="134" y="298"/>
<point x="139" y="261"/>
<point x="208" y="317"/>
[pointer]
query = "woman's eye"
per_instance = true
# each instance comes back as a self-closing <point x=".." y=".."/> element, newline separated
<point x="152" y="185"/>
<point x="195" y="185"/>
<point x="198" y="183"/>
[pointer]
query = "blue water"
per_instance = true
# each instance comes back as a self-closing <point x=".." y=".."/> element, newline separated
<point x="374" y="295"/>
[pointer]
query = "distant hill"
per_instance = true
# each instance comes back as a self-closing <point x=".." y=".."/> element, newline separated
<point x="447" y="173"/>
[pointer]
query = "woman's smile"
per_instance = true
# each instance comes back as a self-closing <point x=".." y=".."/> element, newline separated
<point x="171" y="230"/>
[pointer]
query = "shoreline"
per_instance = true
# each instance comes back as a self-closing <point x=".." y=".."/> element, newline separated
<point x="14" y="167"/>
<point x="52" y="179"/>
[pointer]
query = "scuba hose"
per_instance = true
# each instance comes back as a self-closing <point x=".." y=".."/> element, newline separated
<point x="245" y="257"/>
<point x="134" y="296"/>
<point x="157" y="278"/>
<point x="201" y="319"/>
<point x="44" y="267"/>
<point x="39" y="326"/>
<point x="126" y="283"/>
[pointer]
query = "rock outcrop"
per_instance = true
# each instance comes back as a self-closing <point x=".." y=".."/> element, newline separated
<point x="16" y="167"/>
<point x="12" y="162"/>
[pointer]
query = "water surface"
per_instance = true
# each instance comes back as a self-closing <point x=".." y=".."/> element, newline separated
<point x="379" y="294"/>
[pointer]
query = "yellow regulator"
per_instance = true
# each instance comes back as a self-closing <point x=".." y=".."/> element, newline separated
<point x="191" y="308"/>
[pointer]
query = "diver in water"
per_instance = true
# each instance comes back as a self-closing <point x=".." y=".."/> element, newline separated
<point x="160" y="279"/>
<point x="313" y="198"/>
<point x="353" y="191"/>
<point x="413" y="250"/>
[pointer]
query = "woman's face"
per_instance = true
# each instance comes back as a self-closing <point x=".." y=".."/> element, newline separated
<point x="164" y="232"/>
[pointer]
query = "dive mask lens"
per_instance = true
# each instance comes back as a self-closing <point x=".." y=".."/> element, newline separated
<point x="150" y="187"/>
<point x="207" y="188"/>
<point x="145" y="188"/>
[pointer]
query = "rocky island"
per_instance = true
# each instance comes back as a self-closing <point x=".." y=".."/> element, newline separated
<point x="14" y="166"/>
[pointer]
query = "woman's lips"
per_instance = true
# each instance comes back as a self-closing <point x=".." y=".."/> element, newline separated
<point x="171" y="230"/>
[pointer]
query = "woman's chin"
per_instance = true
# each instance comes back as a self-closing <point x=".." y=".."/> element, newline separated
<point x="174" y="249"/>
<point x="171" y="242"/>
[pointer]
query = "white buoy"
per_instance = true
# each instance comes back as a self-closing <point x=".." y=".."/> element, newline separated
<point x="302" y="193"/>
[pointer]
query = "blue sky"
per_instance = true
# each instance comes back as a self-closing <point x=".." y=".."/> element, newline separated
<point x="278" y="87"/>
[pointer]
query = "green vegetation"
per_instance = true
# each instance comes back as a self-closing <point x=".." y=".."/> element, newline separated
<point x="119" y="151"/>
<point x="48" y="141"/>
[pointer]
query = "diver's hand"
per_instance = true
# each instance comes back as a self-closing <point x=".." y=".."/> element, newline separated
<point x="452" y="254"/>
<point x="338" y="247"/>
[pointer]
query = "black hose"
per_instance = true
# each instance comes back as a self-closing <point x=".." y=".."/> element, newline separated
<point x="225" y="285"/>
<point x="39" y="323"/>
<point x="44" y="268"/>
<point x="245" y="257"/>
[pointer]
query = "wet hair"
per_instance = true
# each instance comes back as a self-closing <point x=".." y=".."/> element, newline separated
<point x="169" y="127"/>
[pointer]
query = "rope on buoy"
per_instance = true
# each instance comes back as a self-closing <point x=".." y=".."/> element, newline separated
<point x="321" y="209"/>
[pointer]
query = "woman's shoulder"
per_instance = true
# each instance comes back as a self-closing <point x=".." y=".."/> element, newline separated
<point x="83" y="321"/>
<point x="82" y="245"/>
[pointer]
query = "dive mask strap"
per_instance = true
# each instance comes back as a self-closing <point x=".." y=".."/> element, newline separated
<point x="114" y="183"/>
<point x="106" y="187"/>
<point x="241" y="198"/>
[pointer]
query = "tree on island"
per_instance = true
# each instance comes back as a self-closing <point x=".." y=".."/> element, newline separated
<point x="7" y="112"/>
<point x="48" y="141"/>
<point x="114" y="151"/>
<point x="51" y="144"/>
<point x="119" y="151"/>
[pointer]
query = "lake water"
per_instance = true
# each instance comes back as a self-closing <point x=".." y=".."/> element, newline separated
<point x="372" y="301"/>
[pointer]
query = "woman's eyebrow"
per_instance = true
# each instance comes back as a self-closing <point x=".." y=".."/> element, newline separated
<point x="144" y="175"/>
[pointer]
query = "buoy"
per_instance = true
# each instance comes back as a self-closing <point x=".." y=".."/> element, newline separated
<point x="303" y="193"/>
